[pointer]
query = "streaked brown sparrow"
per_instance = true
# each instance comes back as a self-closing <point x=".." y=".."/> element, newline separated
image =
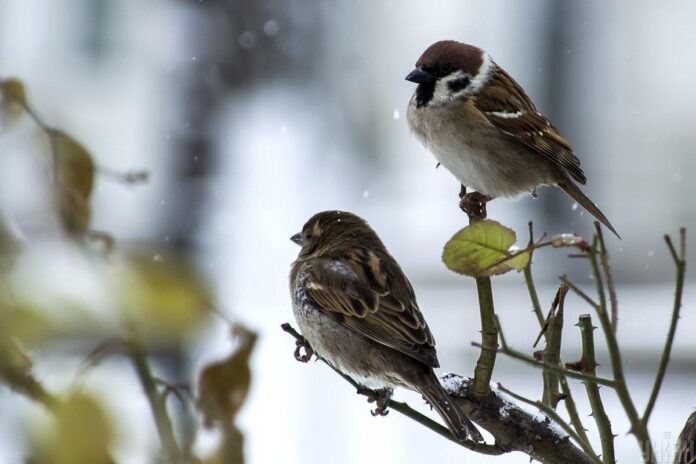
<point x="481" y="125"/>
<point x="358" y="311"/>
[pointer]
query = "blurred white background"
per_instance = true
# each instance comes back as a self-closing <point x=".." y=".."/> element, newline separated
<point x="252" y="116"/>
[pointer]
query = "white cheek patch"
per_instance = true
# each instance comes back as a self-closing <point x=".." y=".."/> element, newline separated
<point x="443" y="93"/>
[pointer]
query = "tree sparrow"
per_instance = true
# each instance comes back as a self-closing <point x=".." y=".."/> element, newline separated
<point x="357" y="310"/>
<point x="481" y="125"/>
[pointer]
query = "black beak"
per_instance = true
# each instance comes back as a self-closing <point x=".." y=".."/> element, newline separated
<point x="297" y="238"/>
<point x="419" y="76"/>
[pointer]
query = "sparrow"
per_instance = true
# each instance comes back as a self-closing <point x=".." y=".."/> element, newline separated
<point x="481" y="125"/>
<point x="686" y="444"/>
<point x="358" y="312"/>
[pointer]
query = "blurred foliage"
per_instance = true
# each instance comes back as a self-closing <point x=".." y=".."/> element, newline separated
<point x="74" y="171"/>
<point x="484" y="249"/>
<point x="150" y="300"/>
<point x="12" y="103"/>
<point x="223" y="387"/>
<point x="80" y="432"/>
<point x="162" y="298"/>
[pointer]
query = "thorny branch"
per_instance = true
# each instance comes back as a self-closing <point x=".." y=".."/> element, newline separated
<point x="588" y="365"/>
<point x="474" y="205"/>
<point x="680" y="264"/>
<point x="513" y="428"/>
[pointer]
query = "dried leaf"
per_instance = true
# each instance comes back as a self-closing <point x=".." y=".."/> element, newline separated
<point x="484" y="249"/>
<point x="74" y="165"/>
<point x="12" y="103"/>
<point x="74" y="179"/>
<point x="74" y="211"/>
<point x="223" y="386"/>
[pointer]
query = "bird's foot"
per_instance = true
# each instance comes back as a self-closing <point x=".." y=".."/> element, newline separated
<point x="382" y="402"/>
<point x="308" y="351"/>
<point x="474" y="205"/>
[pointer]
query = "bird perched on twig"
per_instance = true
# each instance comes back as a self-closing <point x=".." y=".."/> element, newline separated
<point x="358" y="311"/>
<point x="481" y="125"/>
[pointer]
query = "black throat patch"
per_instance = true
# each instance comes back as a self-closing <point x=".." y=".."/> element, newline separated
<point x="424" y="93"/>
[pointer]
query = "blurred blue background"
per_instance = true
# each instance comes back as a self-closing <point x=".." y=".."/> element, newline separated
<point x="252" y="116"/>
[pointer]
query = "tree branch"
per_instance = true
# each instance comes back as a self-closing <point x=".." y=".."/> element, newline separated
<point x="489" y="338"/>
<point x="514" y="429"/>
<point x="553" y="415"/>
<point x="404" y="408"/>
<point x="474" y="205"/>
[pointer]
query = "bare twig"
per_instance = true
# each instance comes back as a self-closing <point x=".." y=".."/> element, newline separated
<point x="638" y="428"/>
<point x="529" y="280"/>
<point x="579" y="292"/>
<point x="551" y="354"/>
<point x="555" y="368"/>
<point x="489" y="337"/>
<point x="157" y="403"/>
<point x="489" y="328"/>
<point x="588" y="365"/>
<point x="611" y="288"/>
<point x="565" y="388"/>
<point x="680" y="264"/>
<point x="572" y="409"/>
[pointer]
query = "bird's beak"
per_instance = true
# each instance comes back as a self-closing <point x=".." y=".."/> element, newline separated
<point x="419" y="76"/>
<point x="297" y="238"/>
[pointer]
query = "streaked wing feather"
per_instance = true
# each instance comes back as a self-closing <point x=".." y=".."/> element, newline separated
<point x="508" y="108"/>
<point x="365" y="303"/>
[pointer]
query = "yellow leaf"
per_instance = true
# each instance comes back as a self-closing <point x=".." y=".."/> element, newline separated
<point x="484" y="249"/>
<point x="162" y="297"/>
<point x="12" y="103"/>
<point x="81" y="434"/>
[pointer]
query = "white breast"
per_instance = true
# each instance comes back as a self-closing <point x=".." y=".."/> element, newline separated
<point x="474" y="151"/>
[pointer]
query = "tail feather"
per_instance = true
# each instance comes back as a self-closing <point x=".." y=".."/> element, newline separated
<point x="456" y="421"/>
<point x="574" y="191"/>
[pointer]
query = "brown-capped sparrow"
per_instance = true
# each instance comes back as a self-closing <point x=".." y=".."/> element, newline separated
<point x="357" y="310"/>
<point x="481" y="125"/>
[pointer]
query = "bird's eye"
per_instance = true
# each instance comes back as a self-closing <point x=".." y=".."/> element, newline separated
<point x="308" y="236"/>
<point x="445" y="69"/>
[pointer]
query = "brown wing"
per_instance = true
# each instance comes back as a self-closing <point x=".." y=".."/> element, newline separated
<point x="372" y="297"/>
<point x="508" y="108"/>
<point x="686" y="445"/>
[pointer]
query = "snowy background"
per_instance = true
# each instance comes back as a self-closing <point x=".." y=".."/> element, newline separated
<point x="252" y="116"/>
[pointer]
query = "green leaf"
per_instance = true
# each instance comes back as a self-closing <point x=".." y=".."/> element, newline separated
<point x="12" y="103"/>
<point x="484" y="249"/>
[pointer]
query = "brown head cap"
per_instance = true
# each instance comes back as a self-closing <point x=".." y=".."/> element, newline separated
<point x="452" y="54"/>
